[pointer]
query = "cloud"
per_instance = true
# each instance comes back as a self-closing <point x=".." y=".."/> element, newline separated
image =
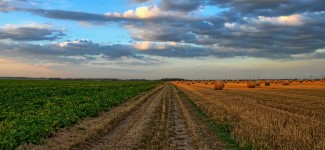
<point x="279" y="29"/>
<point x="147" y="45"/>
<point x="180" y="5"/>
<point x="11" y="5"/>
<point x="73" y="15"/>
<point x="270" y="7"/>
<point x="291" y="20"/>
<point x="77" y="52"/>
<point x="142" y="45"/>
<point x="139" y="15"/>
<point x="141" y="1"/>
<point x="69" y="52"/>
<point x="142" y="12"/>
<point x="31" y="32"/>
<point x="68" y="48"/>
<point x="163" y="32"/>
<point x="263" y="37"/>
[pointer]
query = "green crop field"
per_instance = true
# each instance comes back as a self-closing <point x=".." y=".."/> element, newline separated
<point x="31" y="110"/>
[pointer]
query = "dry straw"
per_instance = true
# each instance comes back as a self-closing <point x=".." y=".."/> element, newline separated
<point x="267" y="83"/>
<point x="251" y="84"/>
<point x="285" y="82"/>
<point x="218" y="85"/>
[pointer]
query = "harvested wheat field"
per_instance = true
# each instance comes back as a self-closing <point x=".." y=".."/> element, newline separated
<point x="266" y="117"/>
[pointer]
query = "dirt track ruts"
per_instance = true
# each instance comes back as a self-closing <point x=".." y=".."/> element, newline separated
<point x="181" y="137"/>
<point x="129" y="132"/>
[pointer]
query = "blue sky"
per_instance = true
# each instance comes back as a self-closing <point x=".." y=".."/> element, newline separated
<point x="152" y="39"/>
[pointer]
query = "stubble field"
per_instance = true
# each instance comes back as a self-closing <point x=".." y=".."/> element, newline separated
<point x="266" y="117"/>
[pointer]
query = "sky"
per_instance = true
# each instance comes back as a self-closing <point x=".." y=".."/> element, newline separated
<point x="153" y="39"/>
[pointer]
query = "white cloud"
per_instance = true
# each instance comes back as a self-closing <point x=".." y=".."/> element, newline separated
<point x="229" y="25"/>
<point x="291" y="20"/>
<point x="140" y="12"/>
<point x="142" y="45"/>
<point x="146" y="45"/>
<point x="30" y="25"/>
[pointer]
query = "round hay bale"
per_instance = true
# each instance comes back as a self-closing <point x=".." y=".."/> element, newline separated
<point x="218" y="85"/>
<point x="258" y="83"/>
<point x="251" y="84"/>
<point x="188" y="83"/>
<point x="267" y="83"/>
<point x="285" y="82"/>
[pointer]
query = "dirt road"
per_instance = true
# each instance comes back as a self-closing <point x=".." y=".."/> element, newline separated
<point x="158" y="119"/>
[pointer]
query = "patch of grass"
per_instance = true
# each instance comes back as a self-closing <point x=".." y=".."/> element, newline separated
<point x="222" y="131"/>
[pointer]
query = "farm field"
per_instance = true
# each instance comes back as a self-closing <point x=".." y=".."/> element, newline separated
<point x="266" y="117"/>
<point x="158" y="115"/>
<point x="33" y="110"/>
<point x="157" y="119"/>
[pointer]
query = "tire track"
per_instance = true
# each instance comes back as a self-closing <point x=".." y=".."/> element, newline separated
<point x="177" y="126"/>
<point x="129" y="132"/>
<point x="201" y="135"/>
<point x="180" y="134"/>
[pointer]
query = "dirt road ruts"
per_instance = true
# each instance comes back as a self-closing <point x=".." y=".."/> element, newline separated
<point x="159" y="119"/>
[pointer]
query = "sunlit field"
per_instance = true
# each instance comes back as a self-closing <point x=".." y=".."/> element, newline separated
<point x="268" y="117"/>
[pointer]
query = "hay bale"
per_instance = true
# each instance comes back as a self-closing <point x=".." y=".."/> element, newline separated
<point x="251" y="84"/>
<point x="258" y="83"/>
<point x="267" y="83"/>
<point x="285" y="82"/>
<point x="218" y="85"/>
<point x="188" y="83"/>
